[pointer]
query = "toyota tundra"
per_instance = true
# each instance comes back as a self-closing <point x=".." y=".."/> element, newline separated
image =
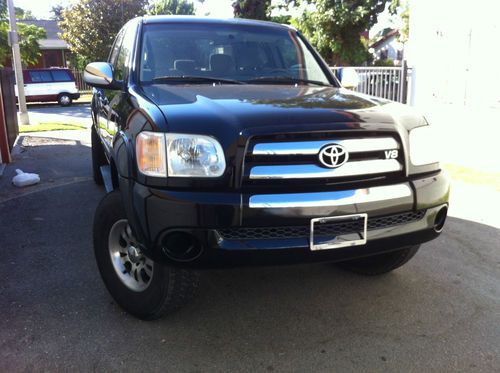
<point x="227" y="143"/>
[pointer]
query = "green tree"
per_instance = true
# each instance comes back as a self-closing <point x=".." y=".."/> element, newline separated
<point x="254" y="9"/>
<point x="90" y="26"/>
<point x="56" y="11"/>
<point x="171" y="7"/>
<point x="404" y="33"/>
<point x="23" y="14"/>
<point x="28" y="37"/>
<point x="335" y="27"/>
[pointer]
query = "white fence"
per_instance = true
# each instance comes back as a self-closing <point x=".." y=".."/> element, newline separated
<point x="385" y="82"/>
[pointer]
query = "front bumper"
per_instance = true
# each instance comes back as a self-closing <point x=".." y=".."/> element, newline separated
<point x="156" y="213"/>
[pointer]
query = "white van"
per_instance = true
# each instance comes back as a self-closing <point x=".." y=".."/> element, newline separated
<point x="46" y="85"/>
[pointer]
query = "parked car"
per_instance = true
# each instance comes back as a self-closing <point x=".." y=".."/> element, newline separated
<point x="230" y="142"/>
<point x="47" y="85"/>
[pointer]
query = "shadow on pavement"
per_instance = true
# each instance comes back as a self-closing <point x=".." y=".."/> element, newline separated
<point x="57" y="161"/>
<point x="48" y="113"/>
<point x="437" y="313"/>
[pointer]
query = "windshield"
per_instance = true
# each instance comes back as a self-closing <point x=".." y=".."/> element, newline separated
<point x="227" y="54"/>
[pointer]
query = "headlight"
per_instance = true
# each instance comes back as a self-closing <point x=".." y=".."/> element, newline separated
<point x="194" y="155"/>
<point x="423" y="146"/>
<point x="180" y="155"/>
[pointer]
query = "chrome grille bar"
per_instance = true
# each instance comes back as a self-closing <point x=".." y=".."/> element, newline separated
<point x="307" y="171"/>
<point x="335" y="198"/>
<point x="313" y="147"/>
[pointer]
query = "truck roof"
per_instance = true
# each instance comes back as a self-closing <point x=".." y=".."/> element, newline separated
<point x="221" y="21"/>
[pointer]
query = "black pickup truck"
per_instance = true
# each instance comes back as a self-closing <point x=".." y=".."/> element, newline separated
<point x="230" y="142"/>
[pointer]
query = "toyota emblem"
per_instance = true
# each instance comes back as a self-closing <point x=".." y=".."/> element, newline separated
<point x="333" y="155"/>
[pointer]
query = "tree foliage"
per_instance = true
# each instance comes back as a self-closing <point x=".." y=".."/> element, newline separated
<point x="254" y="9"/>
<point x="404" y="33"/>
<point x="90" y="26"/>
<point x="28" y="36"/>
<point x="24" y="14"/>
<point x="56" y="11"/>
<point x="172" y="7"/>
<point x="335" y="28"/>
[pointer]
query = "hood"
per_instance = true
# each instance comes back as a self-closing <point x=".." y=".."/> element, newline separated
<point x="251" y="109"/>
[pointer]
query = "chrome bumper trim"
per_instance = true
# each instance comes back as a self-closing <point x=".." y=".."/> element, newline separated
<point x="337" y="198"/>
<point x="308" y="171"/>
<point x="313" y="147"/>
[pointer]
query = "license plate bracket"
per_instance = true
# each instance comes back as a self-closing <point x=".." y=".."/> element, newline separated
<point x="320" y="241"/>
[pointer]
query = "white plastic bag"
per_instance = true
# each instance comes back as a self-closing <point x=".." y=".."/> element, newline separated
<point x="23" y="179"/>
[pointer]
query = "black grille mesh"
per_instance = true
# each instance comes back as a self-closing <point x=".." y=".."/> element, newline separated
<point x="326" y="229"/>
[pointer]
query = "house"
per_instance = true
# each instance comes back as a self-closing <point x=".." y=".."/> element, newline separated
<point x="386" y="46"/>
<point x="55" y="51"/>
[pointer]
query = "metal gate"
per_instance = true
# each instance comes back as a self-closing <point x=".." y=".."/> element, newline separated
<point x="80" y="83"/>
<point x="385" y="82"/>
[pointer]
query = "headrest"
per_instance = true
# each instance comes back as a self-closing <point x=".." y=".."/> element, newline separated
<point x="220" y="63"/>
<point x="184" y="65"/>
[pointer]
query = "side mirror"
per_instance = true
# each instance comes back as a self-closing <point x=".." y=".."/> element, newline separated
<point x="99" y="75"/>
<point x="349" y="78"/>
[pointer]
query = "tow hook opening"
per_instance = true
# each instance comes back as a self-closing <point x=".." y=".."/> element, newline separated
<point x="181" y="246"/>
<point x="440" y="219"/>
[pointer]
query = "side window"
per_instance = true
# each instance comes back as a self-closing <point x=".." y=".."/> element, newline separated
<point x="35" y="76"/>
<point x="61" y="76"/>
<point x="116" y="48"/>
<point x="40" y="76"/>
<point x="123" y="56"/>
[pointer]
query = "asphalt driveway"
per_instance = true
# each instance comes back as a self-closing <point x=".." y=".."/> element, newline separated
<point x="440" y="312"/>
<point x="46" y="113"/>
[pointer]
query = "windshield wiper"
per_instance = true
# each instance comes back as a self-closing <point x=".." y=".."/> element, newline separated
<point x="285" y="80"/>
<point x="194" y="79"/>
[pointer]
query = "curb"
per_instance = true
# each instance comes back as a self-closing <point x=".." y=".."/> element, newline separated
<point x="16" y="149"/>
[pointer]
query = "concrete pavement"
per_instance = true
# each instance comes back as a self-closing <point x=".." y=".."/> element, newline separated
<point x="439" y="313"/>
<point x="76" y="113"/>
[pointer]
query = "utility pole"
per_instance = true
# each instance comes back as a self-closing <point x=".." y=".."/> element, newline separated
<point x="16" y="61"/>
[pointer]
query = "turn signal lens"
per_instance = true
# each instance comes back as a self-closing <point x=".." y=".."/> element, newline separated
<point x="151" y="154"/>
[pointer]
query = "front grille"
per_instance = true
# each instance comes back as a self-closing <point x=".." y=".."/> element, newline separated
<point x="293" y="159"/>
<point x="326" y="229"/>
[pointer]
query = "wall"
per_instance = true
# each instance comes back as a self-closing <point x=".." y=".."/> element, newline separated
<point x="454" y="53"/>
<point x="48" y="58"/>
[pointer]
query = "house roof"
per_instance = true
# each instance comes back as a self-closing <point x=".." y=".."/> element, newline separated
<point x="386" y="35"/>
<point x="52" y="40"/>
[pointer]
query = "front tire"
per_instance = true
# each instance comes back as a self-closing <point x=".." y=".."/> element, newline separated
<point x="380" y="264"/>
<point x="143" y="287"/>
<point x="64" y="99"/>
